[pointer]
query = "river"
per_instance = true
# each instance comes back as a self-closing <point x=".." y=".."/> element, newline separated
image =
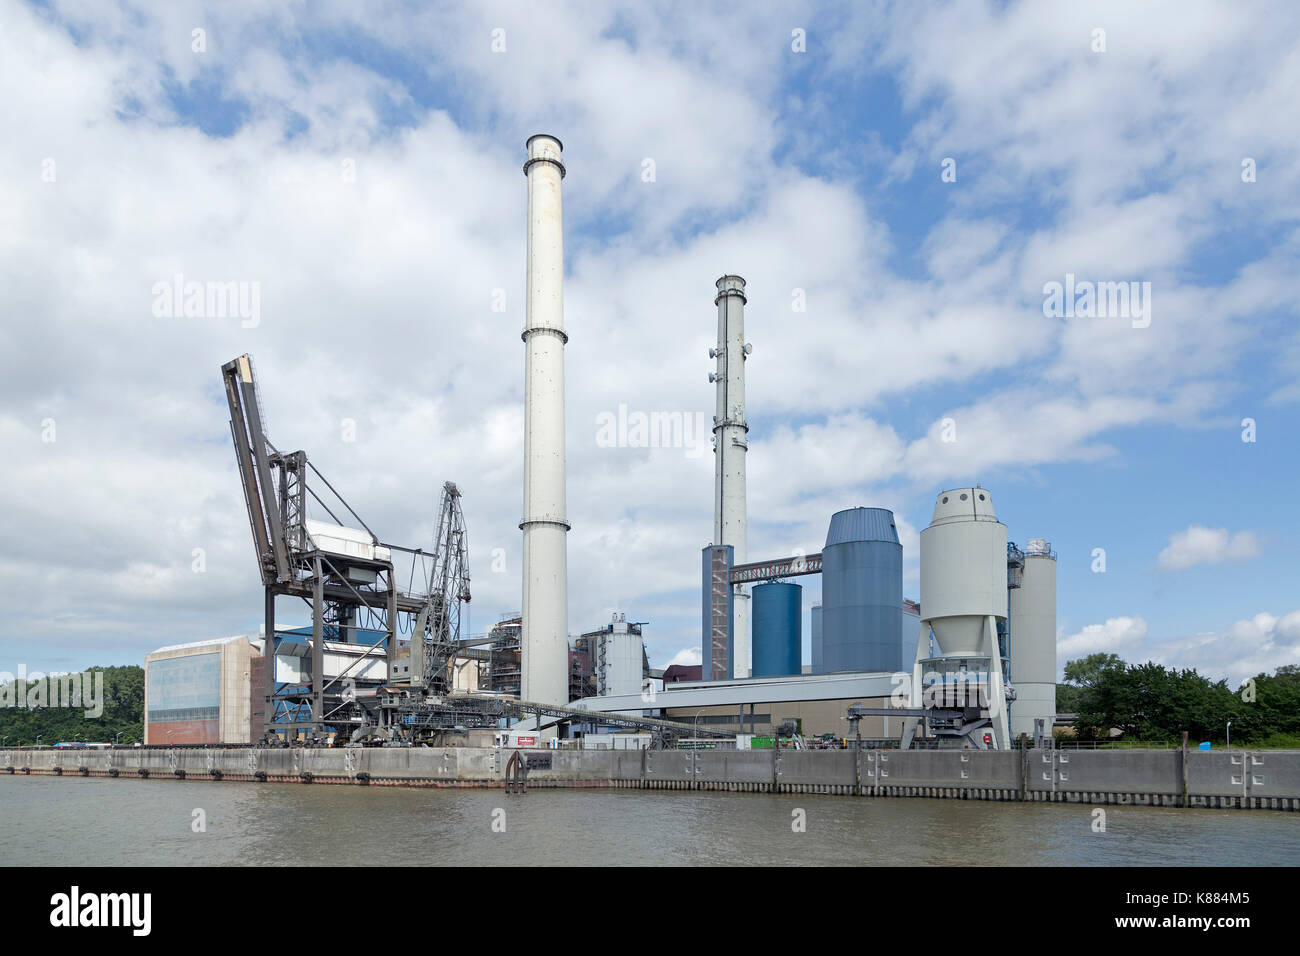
<point x="75" y="821"/>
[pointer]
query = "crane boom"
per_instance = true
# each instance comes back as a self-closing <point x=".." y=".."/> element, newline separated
<point x="251" y="448"/>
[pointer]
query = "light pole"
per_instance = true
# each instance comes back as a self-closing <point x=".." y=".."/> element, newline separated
<point x="696" y="744"/>
<point x="1229" y="741"/>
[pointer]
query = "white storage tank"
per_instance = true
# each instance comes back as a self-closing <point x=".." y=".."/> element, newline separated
<point x="963" y="570"/>
<point x="619" y="660"/>
<point x="1033" y="640"/>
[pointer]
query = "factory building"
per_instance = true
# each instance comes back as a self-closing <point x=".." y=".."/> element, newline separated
<point x="986" y="618"/>
<point x="676" y="673"/>
<point x="986" y="623"/>
<point x="504" y="675"/>
<point x="207" y="692"/>
<point x="816" y="704"/>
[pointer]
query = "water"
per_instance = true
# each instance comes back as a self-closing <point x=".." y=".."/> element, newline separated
<point x="102" y="822"/>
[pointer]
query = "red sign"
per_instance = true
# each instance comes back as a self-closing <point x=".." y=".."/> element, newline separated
<point x="527" y="741"/>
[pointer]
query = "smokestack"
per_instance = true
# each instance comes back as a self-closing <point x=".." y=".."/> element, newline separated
<point x="730" y="443"/>
<point x="544" y="645"/>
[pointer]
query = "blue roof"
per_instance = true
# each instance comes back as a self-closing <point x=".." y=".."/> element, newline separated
<point x="862" y="524"/>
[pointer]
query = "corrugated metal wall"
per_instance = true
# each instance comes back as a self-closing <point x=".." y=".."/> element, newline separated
<point x="862" y="593"/>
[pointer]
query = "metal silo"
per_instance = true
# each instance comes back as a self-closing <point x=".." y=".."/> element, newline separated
<point x="778" y="629"/>
<point x="963" y="570"/>
<point x="1033" y="640"/>
<point x="862" y="593"/>
<point x="963" y="596"/>
<point x="817" y="639"/>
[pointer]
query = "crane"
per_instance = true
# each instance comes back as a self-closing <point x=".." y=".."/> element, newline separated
<point x="437" y="632"/>
<point x="347" y="577"/>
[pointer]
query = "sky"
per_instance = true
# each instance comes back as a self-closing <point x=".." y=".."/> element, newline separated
<point x="901" y="185"/>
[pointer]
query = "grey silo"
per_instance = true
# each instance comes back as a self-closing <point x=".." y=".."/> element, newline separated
<point x="862" y="593"/>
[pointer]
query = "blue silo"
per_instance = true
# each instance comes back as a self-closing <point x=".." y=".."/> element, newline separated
<point x="778" y="629"/>
<point x="862" y="593"/>
<point x="817" y="639"/>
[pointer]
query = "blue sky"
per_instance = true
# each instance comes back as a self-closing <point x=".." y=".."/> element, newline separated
<point x="1113" y="159"/>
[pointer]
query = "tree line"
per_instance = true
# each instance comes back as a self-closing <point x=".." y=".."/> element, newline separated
<point x="122" y="720"/>
<point x="1149" y="702"/>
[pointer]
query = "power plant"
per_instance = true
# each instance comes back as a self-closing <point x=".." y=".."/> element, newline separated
<point x="383" y="661"/>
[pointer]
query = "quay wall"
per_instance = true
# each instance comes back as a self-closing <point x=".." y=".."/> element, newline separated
<point x="1242" y="779"/>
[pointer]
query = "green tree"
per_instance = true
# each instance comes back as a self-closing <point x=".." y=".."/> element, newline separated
<point x="1087" y="671"/>
<point x="122" y="719"/>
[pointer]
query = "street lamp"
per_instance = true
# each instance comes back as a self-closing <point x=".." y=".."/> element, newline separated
<point x="696" y="745"/>
<point x="1229" y="742"/>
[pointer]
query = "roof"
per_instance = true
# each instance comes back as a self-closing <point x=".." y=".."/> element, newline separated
<point x="802" y="687"/>
<point x="862" y="524"/>
<point x="256" y="641"/>
<point x="679" y="672"/>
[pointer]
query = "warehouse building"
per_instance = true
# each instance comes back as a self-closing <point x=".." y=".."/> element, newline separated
<point x="207" y="692"/>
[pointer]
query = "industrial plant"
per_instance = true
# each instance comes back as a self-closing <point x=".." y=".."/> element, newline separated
<point x="382" y="660"/>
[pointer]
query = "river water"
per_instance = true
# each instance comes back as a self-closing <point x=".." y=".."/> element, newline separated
<point x="104" y="822"/>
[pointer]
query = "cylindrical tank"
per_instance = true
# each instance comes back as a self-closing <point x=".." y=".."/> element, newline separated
<point x="778" y="629"/>
<point x="862" y="592"/>
<point x="1033" y="640"/>
<point x="963" y="570"/>
<point x="817" y="639"/>
<point x="618" y="662"/>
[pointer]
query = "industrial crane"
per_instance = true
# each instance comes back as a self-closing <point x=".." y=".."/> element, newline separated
<point x="349" y="674"/>
<point x="437" y="630"/>
<point x="334" y="675"/>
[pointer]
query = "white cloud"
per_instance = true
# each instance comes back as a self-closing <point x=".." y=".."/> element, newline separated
<point x="687" y="657"/>
<point x="1257" y="645"/>
<point x="1201" y="545"/>
<point x="376" y="293"/>
<point x="1116" y="634"/>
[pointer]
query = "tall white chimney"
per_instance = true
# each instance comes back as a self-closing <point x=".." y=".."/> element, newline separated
<point x="544" y="646"/>
<point x="730" y="443"/>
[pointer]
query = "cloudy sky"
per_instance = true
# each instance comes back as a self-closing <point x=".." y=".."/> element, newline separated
<point x="898" y="183"/>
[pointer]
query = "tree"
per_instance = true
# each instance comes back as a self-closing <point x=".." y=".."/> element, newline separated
<point x="121" y="721"/>
<point x="1087" y="671"/>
